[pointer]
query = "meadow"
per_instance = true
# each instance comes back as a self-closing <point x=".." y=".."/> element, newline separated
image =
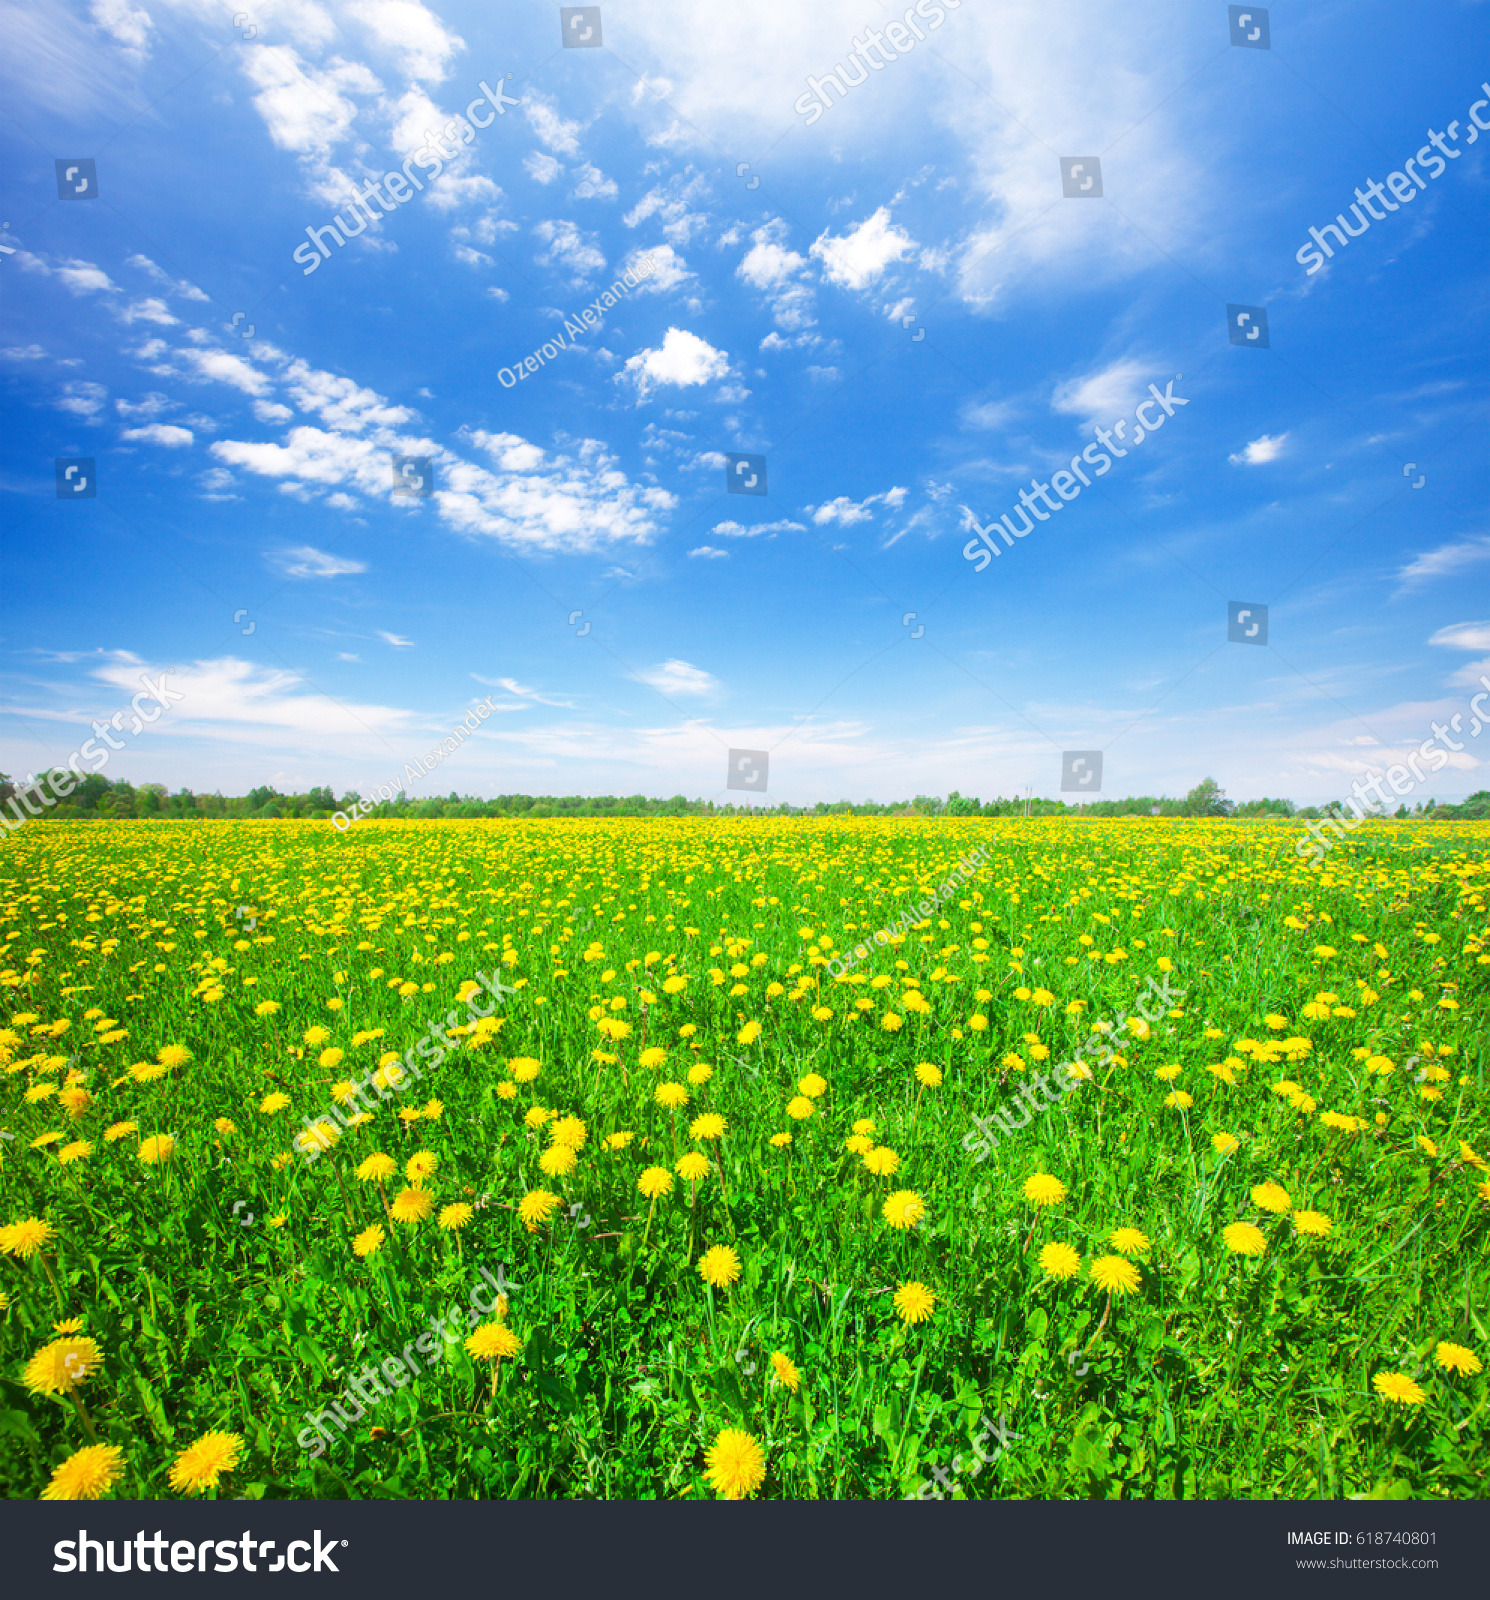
<point x="551" y="1159"/>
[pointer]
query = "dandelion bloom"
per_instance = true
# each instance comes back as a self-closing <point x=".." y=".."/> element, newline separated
<point x="558" y="1161"/>
<point x="377" y="1167"/>
<point x="882" y="1161"/>
<point x="865" y="1125"/>
<point x="1059" y="1261"/>
<point x="737" y="1464"/>
<point x="700" y="1072"/>
<point x="493" y="1341"/>
<point x="87" y="1474"/>
<point x="266" y="1008"/>
<point x="693" y="1166"/>
<point x="1043" y="1190"/>
<point x="858" y="1144"/>
<point x="1224" y="1143"/>
<point x="1178" y="1100"/>
<point x="1427" y="1145"/>
<point x="928" y="1076"/>
<point x="813" y="1086"/>
<point x="709" y="1126"/>
<point x="652" y="1056"/>
<point x="1115" y="1274"/>
<point x="1313" y="1223"/>
<point x="315" y="1037"/>
<point x="536" y="1207"/>
<point x="1456" y="1358"/>
<point x="914" y="1302"/>
<point x="59" y="1367"/>
<point x="719" y="1265"/>
<point x="1244" y="1239"/>
<point x="173" y="1055"/>
<point x="74" y="1151"/>
<point x="200" y="1465"/>
<point x="655" y="1181"/>
<point x="224" y="1125"/>
<point x="157" y="1148"/>
<point x="671" y="1096"/>
<point x="618" y="1141"/>
<point x="788" y="1376"/>
<point x="799" y="1108"/>
<point x="904" y="1208"/>
<point x="454" y="1217"/>
<point x="420" y="1166"/>
<point x="782" y="1140"/>
<point x="272" y="1103"/>
<point x="412" y="1205"/>
<point x="1271" y="1197"/>
<point x="749" y="1033"/>
<point x="1399" y="1388"/>
<point x="569" y="1132"/>
<point x="369" y="1241"/>
<point x="524" y="1068"/>
<point x="1129" y="1241"/>
<point x="536" y="1116"/>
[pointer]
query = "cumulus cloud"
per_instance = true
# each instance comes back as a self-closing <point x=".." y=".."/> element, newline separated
<point x="305" y="561"/>
<point x="164" y="433"/>
<point x="1258" y="452"/>
<point x="593" y="184"/>
<point x="683" y="361"/>
<point x="709" y="553"/>
<point x="859" y="257"/>
<point x="846" y="512"/>
<point x="82" y="277"/>
<point x="542" y="167"/>
<point x="568" y="250"/>
<point x="736" y="530"/>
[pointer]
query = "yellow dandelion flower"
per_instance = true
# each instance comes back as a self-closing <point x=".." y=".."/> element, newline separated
<point x="87" y="1474"/>
<point x="782" y="1140"/>
<point x="655" y="1181"/>
<point x="558" y="1161"/>
<point x="1244" y="1239"/>
<point x="420" y="1167"/>
<point x="157" y="1148"/>
<point x="454" y="1217"/>
<point x="787" y="1375"/>
<point x="272" y="1103"/>
<point x="1456" y="1358"/>
<point x="376" y="1167"/>
<point x="1398" y="1388"/>
<point x="1115" y="1274"/>
<point x="200" y="1465"/>
<point x="928" y="1076"/>
<point x="1313" y="1224"/>
<point x="173" y="1055"/>
<point x="914" y="1303"/>
<point x="412" y="1205"/>
<point x="493" y="1341"/>
<point x="903" y="1209"/>
<point x="736" y="1463"/>
<point x="1129" y="1242"/>
<point x="708" y="1126"/>
<point x="692" y="1166"/>
<point x="1224" y="1143"/>
<point x="813" y="1086"/>
<point x="1271" y="1197"/>
<point x="536" y="1207"/>
<point x="1043" y="1190"/>
<point x="1059" y="1261"/>
<point x="719" y="1265"/>
<point x="369" y="1241"/>
<point x="59" y="1367"/>
<point x="882" y="1161"/>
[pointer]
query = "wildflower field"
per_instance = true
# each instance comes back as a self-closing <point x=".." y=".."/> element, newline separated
<point x="551" y="1159"/>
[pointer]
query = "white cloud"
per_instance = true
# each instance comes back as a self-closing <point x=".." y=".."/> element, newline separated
<point x="569" y="249"/>
<point x="860" y="256"/>
<point x="541" y="167"/>
<point x="1463" y="636"/>
<point x="346" y="655"/>
<point x="153" y="405"/>
<point x="414" y="36"/>
<point x="1104" y="394"/>
<point x="594" y="185"/>
<point x="709" y="553"/>
<point x="394" y="639"/>
<point x="552" y="129"/>
<point x="218" y="366"/>
<point x="187" y="291"/>
<point x="82" y="277"/>
<point x="163" y="433"/>
<point x="675" y="204"/>
<point x="129" y="26"/>
<point x="736" y="530"/>
<point x="23" y="352"/>
<point x="846" y="512"/>
<point x="271" y="411"/>
<point x="149" y="310"/>
<point x="676" y="677"/>
<point x="1258" y="452"/>
<point x="683" y="360"/>
<point x="305" y="561"/>
<point x="1446" y="559"/>
<point x="83" y="399"/>
<point x="776" y="271"/>
<point x="669" y="269"/>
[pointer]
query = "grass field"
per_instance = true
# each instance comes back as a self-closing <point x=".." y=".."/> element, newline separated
<point x="737" y="1204"/>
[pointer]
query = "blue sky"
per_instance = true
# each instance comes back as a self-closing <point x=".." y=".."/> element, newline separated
<point x="244" y="536"/>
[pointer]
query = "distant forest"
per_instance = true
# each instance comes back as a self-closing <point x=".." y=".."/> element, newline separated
<point x="96" y="797"/>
